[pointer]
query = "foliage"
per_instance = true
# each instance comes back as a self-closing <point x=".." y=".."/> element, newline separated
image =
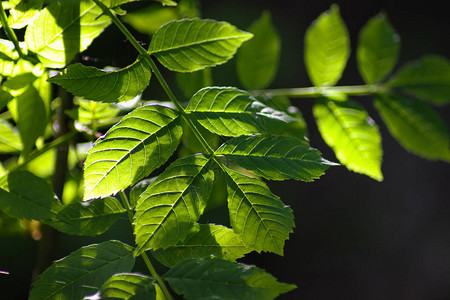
<point x="262" y="137"/>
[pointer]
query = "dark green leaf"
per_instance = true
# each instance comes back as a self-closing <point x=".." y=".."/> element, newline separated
<point x="416" y="126"/>
<point x="327" y="48"/>
<point x="168" y="209"/>
<point x="231" y="112"/>
<point x="378" y="49"/>
<point x="213" y="278"/>
<point x="257" y="60"/>
<point x="427" y="78"/>
<point x="190" y="83"/>
<point x="276" y="157"/>
<point x="348" y="129"/>
<point x="150" y="18"/>
<point x="83" y="272"/>
<point x="141" y="142"/>
<point x="5" y="97"/>
<point x="127" y="286"/>
<point x="204" y="240"/>
<point x="190" y="45"/>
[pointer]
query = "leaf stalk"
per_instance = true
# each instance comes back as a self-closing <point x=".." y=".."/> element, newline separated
<point x="312" y="92"/>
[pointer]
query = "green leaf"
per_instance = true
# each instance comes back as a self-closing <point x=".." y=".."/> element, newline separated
<point x="127" y="286"/>
<point x="276" y="157"/>
<point x="24" y="13"/>
<point x="228" y="111"/>
<point x="25" y="195"/>
<point x="6" y="58"/>
<point x="83" y="272"/>
<point x="327" y="48"/>
<point x="141" y="142"/>
<point x="348" y="129"/>
<point x="257" y="215"/>
<point x="213" y="278"/>
<point x="89" y="217"/>
<point x="168" y="209"/>
<point x="91" y="112"/>
<point x="204" y="240"/>
<point x="150" y="18"/>
<point x="416" y="126"/>
<point x="190" y="83"/>
<point x="427" y="78"/>
<point x="378" y="49"/>
<point x="167" y="2"/>
<point x="257" y="60"/>
<point x="194" y="44"/>
<point x="63" y="29"/>
<point x="97" y="85"/>
<point x="5" y="97"/>
<point x="9" y="139"/>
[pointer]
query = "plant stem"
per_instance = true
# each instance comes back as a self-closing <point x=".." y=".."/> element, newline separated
<point x="311" y="92"/>
<point x="126" y="204"/>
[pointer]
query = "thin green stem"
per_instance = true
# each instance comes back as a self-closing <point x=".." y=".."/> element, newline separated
<point x="156" y="276"/>
<point x="126" y="204"/>
<point x="311" y="92"/>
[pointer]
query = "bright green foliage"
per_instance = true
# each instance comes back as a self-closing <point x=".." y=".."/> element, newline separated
<point x="9" y="139"/>
<point x="95" y="113"/>
<point x="275" y="157"/>
<point x="202" y="241"/>
<point x="63" y="29"/>
<point x="98" y="85"/>
<point x="415" y="125"/>
<point x="427" y="78"/>
<point x="25" y="195"/>
<point x="89" y="217"/>
<point x="257" y="60"/>
<point x="6" y="58"/>
<point x="142" y="141"/>
<point x="327" y="48"/>
<point x="168" y="209"/>
<point x="262" y="220"/>
<point x="231" y="112"/>
<point x="196" y="44"/>
<point x="378" y="49"/>
<point x="348" y="129"/>
<point x="212" y="278"/>
<point x="127" y="286"/>
<point x="149" y="19"/>
<point x="83" y="272"/>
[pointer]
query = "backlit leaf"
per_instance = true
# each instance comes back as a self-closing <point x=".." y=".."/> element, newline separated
<point x="126" y="286"/>
<point x="327" y="48"/>
<point x="83" y="272"/>
<point x="168" y="209"/>
<point x="9" y="138"/>
<point x="193" y="44"/>
<point x="348" y="129"/>
<point x="150" y="18"/>
<point x="141" y="142"/>
<point x="231" y="112"/>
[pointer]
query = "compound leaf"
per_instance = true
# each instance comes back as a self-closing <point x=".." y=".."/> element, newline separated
<point x="63" y="29"/>
<point x="378" y="49"/>
<point x="204" y="240"/>
<point x="416" y="126"/>
<point x="168" y="209"/>
<point x="232" y="112"/>
<point x="193" y="44"/>
<point x="257" y="59"/>
<point x="275" y="157"/>
<point x="213" y="278"/>
<point x="83" y="272"/>
<point x="347" y="128"/>
<point x="427" y="78"/>
<point x="127" y="286"/>
<point x="141" y="142"/>
<point x="257" y="215"/>
<point x="97" y="85"/>
<point x="327" y="48"/>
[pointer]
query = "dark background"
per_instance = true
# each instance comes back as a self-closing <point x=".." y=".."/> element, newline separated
<point x="355" y="238"/>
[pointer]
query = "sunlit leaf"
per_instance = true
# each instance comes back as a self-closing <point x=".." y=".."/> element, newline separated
<point x="416" y="126"/>
<point x="262" y="220"/>
<point x="168" y="209"/>
<point x="190" y="45"/>
<point x="91" y="112"/>
<point x="231" y="112"/>
<point x="257" y="59"/>
<point x="190" y="83"/>
<point x="150" y="18"/>
<point x="213" y="278"/>
<point x="348" y="129"/>
<point x="327" y="48"/>
<point x="378" y="49"/>
<point x="276" y="157"/>
<point x="141" y="142"/>
<point x="83" y="272"/>
<point x="9" y="138"/>
<point x="127" y="286"/>
<point x="97" y="85"/>
<point x="427" y="78"/>
<point x="204" y="240"/>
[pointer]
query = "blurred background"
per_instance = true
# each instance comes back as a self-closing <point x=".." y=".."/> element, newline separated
<point x="355" y="238"/>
